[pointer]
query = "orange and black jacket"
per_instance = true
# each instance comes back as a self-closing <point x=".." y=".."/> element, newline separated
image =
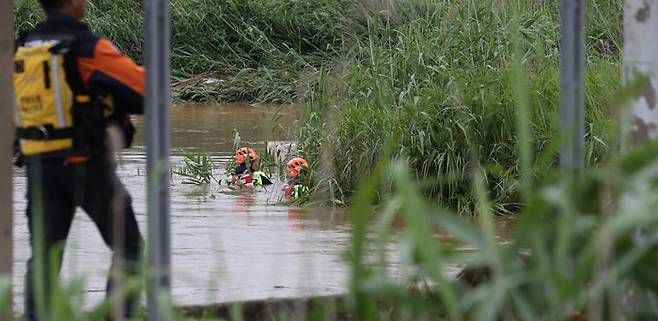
<point x="96" y="67"/>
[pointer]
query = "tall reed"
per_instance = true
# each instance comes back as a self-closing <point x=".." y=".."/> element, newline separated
<point x="437" y="70"/>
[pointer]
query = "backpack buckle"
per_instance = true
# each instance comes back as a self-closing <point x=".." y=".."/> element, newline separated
<point x="44" y="131"/>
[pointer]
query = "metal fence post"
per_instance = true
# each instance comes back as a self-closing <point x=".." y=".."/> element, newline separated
<point x="572" y="86"/>
<point x="6" y="139"/>
<point x="641" y="59"/>
<point x="157" y="144"/>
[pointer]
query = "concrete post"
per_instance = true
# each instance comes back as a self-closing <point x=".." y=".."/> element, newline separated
<point x="157" y="145"/>
<point x="6" y="139"/>
<point x="572" y="87"/>
<point x="641" y="59"/>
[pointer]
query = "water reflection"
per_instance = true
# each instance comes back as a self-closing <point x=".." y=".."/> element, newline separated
<point x="295" y="218"/>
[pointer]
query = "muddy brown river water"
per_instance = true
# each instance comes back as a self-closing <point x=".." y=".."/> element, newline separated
<point x="225" y="247"/>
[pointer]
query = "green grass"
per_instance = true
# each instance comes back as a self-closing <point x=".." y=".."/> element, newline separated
<point x="580" y="251"/>
<point x="440" y="75"/>
<point x="259" y="49"/>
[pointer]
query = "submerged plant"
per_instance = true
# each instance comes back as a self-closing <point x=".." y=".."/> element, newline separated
<point x="197" y="169"/>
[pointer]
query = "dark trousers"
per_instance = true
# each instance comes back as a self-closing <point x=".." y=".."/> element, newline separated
<point x="55" y="189"/>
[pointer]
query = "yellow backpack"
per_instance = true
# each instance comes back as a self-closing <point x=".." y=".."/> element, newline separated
<point x="44" y="99"/>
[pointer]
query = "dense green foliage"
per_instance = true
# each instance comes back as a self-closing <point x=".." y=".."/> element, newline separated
<point x="258" y="49"/>
<point x="582" y="250"/>
<point x="438" y="76"/>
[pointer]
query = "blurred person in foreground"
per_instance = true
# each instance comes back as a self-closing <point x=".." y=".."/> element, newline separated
<point x="72" y="89"/>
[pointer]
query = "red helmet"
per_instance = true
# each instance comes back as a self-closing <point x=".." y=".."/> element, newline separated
<point x="295" y="165"/>
<point x="242" y="154"/>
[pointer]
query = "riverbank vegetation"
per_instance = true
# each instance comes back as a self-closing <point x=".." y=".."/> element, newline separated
<point x="435" y="74"/>
<point x="439" y="77"/>
<point x="229" y="50"/>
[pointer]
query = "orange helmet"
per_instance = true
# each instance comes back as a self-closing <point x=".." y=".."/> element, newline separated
<point x="295" y="166"/>
<point x="242" y="154"/>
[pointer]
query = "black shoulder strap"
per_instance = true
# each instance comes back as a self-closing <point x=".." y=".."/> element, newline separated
<point x="70" y="63"/>
<point x="20" y="40"/>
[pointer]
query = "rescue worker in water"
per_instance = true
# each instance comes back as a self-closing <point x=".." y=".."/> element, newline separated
<point x="247" y="171"/>
<point x="298" y="176"/>
<point x="71" y="86"/>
